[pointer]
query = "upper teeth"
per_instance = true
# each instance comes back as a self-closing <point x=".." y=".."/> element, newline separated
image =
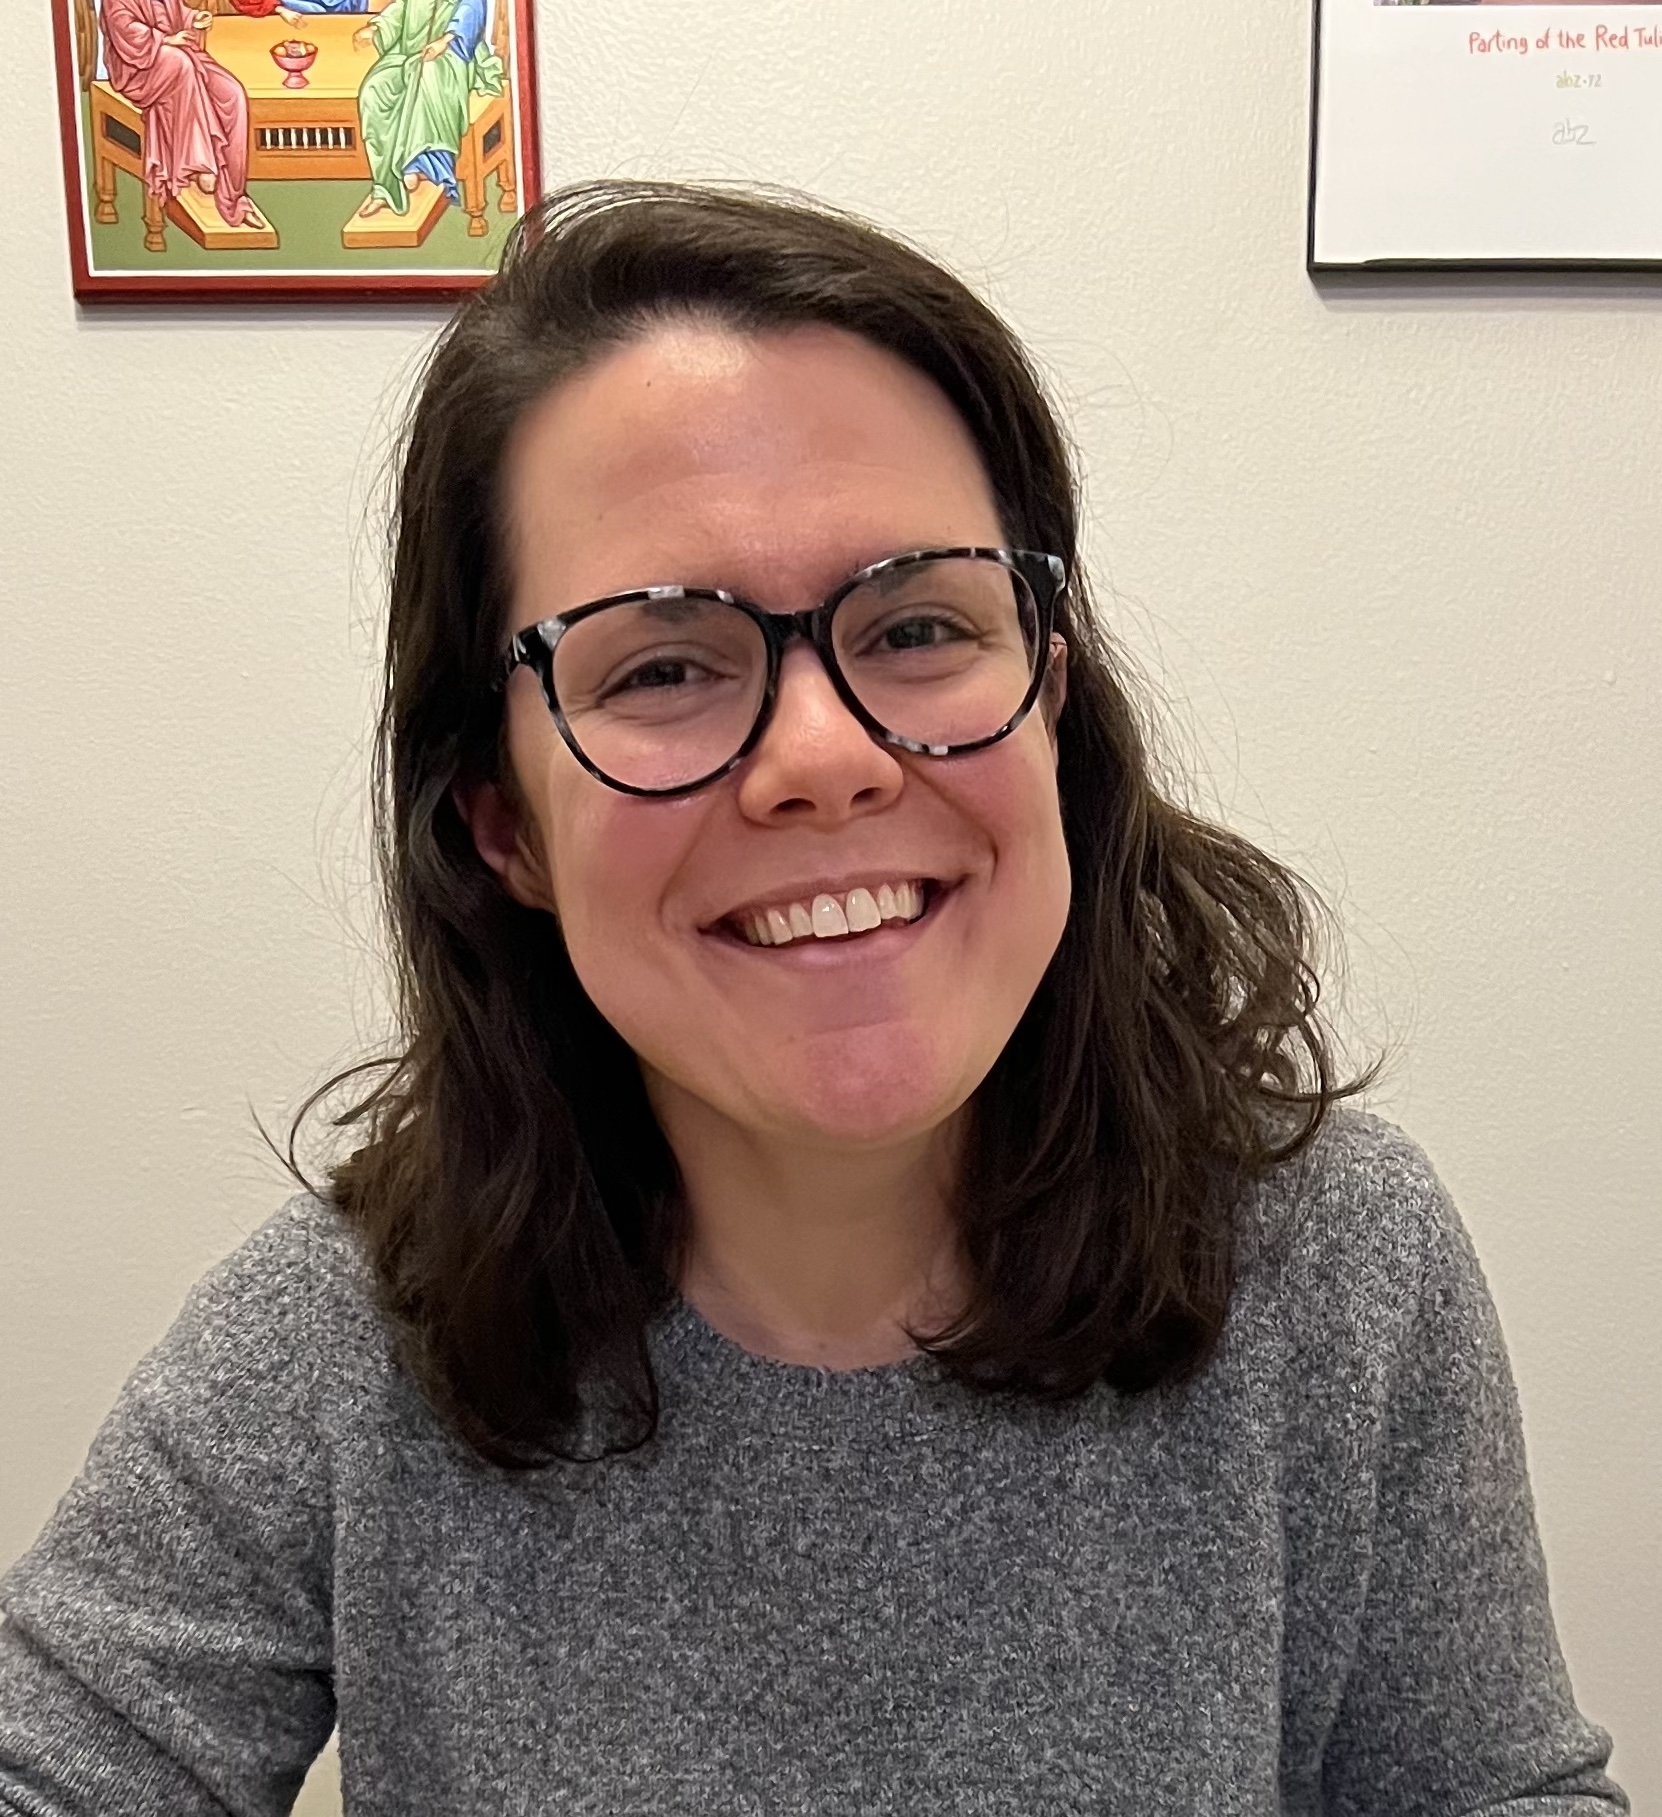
<point x="828" y="917"/>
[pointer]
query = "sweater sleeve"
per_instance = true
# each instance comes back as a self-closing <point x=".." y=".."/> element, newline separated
<point x="167" y="1641"/>
<point x="1457" y="1699"/>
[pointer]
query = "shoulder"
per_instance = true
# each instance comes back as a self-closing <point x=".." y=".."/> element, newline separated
<point x="1361" y="1186"/>
<point x="290" y="1308"/>
<point x="1352" y="1236"/>
<point x="306" y="1248"/>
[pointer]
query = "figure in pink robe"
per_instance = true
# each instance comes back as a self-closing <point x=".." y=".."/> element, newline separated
<point x="195" y="110"/>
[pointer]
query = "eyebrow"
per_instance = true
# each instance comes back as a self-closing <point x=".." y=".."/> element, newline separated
<point x="887" y="581"/>
<point x="672" y="610"/>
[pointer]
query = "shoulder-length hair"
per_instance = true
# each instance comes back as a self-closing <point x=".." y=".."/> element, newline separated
<point x="516" y="1198"/>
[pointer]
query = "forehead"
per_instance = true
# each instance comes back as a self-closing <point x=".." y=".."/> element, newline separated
<point x="772" y="463"/>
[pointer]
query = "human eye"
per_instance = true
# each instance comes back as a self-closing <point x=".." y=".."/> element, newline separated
<point x="912" y="629"/>
<point x="915" y="630"/>
<point x="657" y="658"/>
<point x="657" y="672"/>
<point x="661" y="677"/>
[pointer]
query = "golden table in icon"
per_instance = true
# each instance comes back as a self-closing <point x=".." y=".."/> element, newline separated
<point x="312" y="132"/>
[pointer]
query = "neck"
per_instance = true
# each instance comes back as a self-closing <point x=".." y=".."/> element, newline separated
<point x="818" y="1255"/>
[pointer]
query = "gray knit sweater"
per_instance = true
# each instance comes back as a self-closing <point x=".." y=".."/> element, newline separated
<point x="1311" y="1583"/>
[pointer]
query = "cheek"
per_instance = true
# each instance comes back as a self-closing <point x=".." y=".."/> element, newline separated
<point x="608" y="873"/>
<point x="588" y="851"/>
<point x="1010" y="790"/>
<point x="612" y="863"/>
<point x="1043" y="878"/>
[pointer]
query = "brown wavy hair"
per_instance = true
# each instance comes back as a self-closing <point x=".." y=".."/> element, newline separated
<point x="515" y="1196"/>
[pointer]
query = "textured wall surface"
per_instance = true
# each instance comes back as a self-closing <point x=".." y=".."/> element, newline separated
<point x="1388" y="554"/>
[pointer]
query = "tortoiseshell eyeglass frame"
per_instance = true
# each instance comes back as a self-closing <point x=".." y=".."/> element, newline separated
<point x="1044" y="576"/>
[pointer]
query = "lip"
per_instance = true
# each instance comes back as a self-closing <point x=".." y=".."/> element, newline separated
<point x="868" y="879"/>
<point x="890" y="940"/>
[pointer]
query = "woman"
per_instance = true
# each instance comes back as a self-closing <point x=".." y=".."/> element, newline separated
<point x="857" y="1295"/>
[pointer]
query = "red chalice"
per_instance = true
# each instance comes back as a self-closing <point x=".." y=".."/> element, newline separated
<point x="296" y="58"/>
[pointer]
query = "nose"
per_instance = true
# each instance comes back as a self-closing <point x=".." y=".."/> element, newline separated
<point x="815" y="763"/>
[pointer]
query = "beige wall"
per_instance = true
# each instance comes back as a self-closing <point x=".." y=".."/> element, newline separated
<point x="1390" y="554"/>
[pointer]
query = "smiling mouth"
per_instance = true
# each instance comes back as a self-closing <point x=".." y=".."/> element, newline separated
<point x="851" y="915"/>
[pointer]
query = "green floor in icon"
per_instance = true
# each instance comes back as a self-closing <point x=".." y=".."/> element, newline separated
<point x="308" y="218"/>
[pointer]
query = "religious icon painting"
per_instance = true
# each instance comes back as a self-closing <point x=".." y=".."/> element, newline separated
<point x="291" y="150"/>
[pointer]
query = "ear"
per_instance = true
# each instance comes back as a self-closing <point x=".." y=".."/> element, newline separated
<point x="1053" y="695"/>
<point x="505" y="838"/>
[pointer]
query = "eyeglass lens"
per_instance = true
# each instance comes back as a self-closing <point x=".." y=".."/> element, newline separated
<point x="659" y="693"/>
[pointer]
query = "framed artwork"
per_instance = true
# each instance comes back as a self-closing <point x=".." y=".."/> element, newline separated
<point x="277" y="150"/>
<point x="1486" y="133"/>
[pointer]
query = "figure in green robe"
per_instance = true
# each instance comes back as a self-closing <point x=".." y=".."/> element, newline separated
<point x="431" y="55"/>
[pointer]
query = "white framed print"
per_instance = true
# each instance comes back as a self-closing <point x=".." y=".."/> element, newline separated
<point x="1486" y="133"/>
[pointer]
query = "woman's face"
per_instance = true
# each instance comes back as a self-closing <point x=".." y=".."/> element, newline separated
<point x="774" y="466"/>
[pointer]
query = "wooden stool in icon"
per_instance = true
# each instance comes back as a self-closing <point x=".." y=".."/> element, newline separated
<point x="488" y="150"/>
<point x="118" y="144"/>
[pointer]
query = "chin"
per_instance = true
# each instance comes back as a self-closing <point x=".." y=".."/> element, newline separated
<point x="860" y="1091"/>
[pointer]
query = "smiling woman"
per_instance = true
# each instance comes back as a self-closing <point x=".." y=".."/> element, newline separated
<point x="857" y="1291"/>
<point x="781" y="460"/>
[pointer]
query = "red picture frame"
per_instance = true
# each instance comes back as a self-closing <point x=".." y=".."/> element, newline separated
<point x="310" y="150"/>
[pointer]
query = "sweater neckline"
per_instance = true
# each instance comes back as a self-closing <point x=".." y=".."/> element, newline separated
<point x="719" y="1363"/>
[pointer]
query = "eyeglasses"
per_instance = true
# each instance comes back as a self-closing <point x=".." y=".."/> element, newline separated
<point x="664" y="689"/>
